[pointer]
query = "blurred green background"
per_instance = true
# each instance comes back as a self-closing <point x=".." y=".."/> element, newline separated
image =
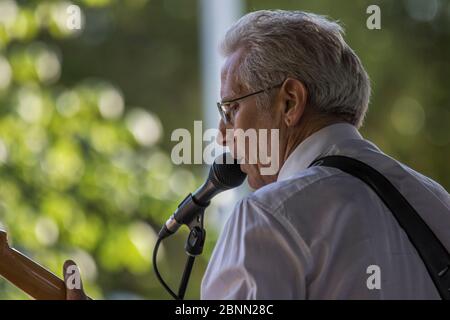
<point x="86" y="117"/>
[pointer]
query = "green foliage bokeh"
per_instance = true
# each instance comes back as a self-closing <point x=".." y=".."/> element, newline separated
<point x="83" y="174"/>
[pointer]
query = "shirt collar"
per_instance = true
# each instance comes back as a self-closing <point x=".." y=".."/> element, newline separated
<point x="316" y="145"/>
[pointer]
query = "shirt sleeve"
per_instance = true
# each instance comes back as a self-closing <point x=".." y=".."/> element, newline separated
<point x="256" y="257"/>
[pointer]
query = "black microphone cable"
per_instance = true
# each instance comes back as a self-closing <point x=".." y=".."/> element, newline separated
<point x="158" y="275"/>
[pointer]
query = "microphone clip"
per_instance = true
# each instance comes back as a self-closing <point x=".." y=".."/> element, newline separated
<point x="195" y="241"/>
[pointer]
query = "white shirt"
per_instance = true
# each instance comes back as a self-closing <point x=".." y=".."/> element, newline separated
<point x="314" y="232"/>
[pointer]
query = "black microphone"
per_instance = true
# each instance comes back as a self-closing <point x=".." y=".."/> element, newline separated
<point x="224" y="174"/>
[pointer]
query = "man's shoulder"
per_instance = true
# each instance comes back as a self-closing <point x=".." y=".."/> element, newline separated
<point x="428" y="182"/>
<point x="274" y="195"/>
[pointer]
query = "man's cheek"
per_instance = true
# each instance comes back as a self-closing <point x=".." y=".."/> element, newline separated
<point x="245" y="150"/>
<point x="270" y="156"/>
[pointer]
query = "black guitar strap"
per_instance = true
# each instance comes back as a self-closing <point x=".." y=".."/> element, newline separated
<point x="433" y="253"/>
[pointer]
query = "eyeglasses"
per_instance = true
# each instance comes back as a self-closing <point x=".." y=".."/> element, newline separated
<point x="227" y="109"/>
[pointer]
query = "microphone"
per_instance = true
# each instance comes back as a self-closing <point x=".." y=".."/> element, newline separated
<point x="224" y="174"/>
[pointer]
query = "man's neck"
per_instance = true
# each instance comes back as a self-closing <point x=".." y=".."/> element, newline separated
<point x="303" y="130"/>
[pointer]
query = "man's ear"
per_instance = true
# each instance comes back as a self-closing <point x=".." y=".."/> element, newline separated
<point x="294" y="97"/>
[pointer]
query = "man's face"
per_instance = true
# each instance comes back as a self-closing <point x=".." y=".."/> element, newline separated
<point x="247" y="116"/>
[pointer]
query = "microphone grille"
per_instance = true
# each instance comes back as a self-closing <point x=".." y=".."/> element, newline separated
<point x="226" y="172"/>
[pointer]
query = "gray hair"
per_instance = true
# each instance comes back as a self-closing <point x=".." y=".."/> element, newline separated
<point x="305" y="46"/>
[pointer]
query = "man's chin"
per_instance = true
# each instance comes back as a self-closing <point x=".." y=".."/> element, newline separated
<point x="253" y="183"/>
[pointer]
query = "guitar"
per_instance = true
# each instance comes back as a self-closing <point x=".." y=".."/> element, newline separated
<point x="28" y="275"/>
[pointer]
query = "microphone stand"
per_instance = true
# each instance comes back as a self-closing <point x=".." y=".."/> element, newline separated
<point x="193" y="247"/>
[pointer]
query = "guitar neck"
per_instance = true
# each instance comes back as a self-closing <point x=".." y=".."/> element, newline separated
<point x="28" y="275"/>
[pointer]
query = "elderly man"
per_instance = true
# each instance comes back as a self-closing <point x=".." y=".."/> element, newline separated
<point x="312" y="233"/>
